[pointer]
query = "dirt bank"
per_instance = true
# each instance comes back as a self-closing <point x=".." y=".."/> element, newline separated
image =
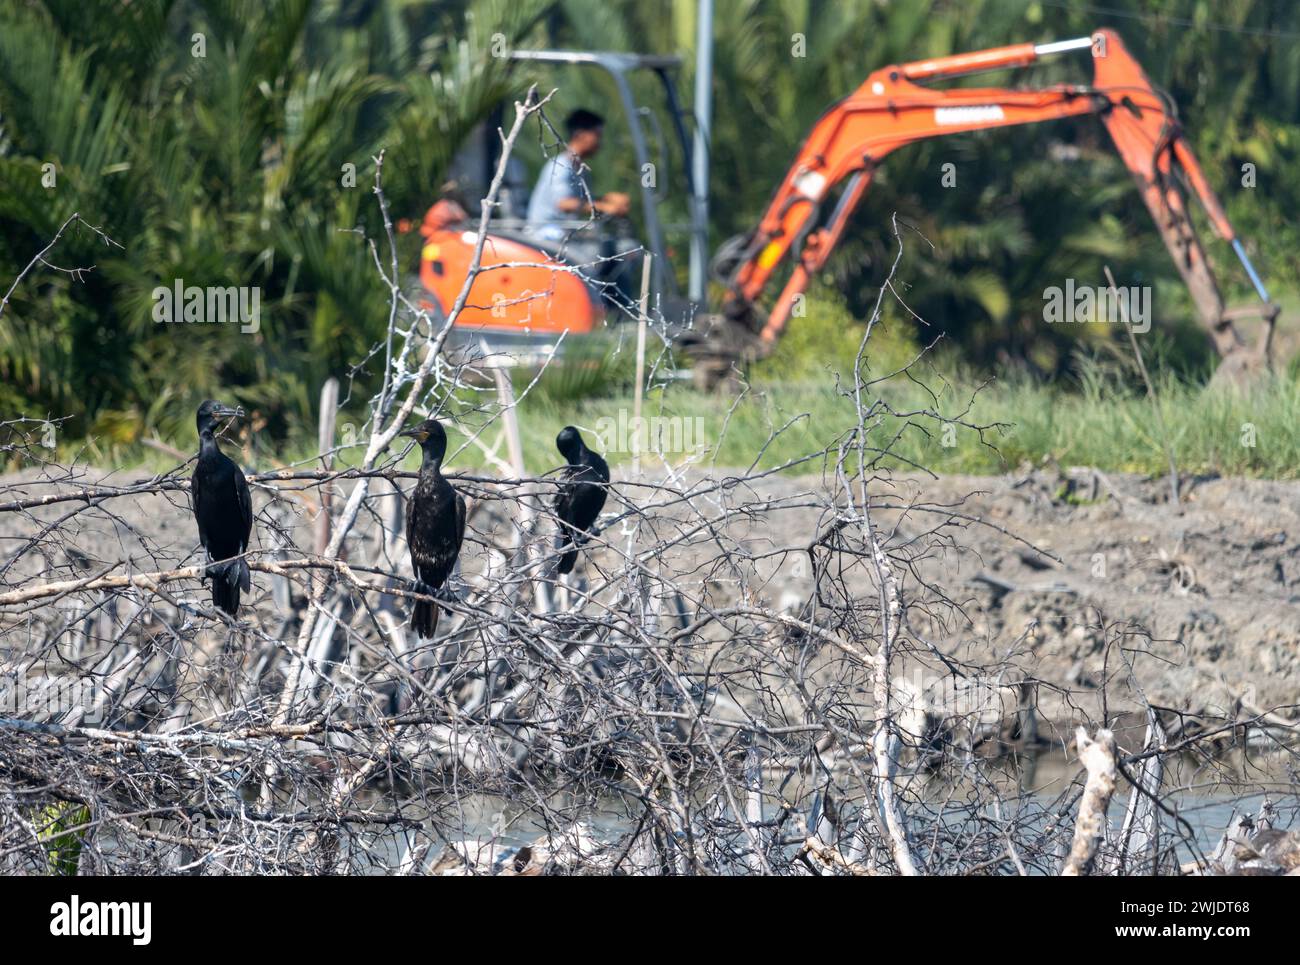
<point x="1215" y="581"/>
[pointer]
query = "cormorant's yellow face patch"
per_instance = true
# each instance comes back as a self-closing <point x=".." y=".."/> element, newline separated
<point x="422" y="437"/>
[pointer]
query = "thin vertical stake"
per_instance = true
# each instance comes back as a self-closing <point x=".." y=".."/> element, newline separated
<point x="639" y="435"/>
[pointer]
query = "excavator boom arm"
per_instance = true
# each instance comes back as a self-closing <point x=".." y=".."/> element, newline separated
<point x="891" y="109"/>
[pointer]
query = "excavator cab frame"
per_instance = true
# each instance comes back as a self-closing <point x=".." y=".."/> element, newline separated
<point x="620" y="67"/>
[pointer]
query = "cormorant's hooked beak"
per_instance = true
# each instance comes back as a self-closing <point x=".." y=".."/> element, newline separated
<point x="418" y="434"/>
<point x="226" y="412"/>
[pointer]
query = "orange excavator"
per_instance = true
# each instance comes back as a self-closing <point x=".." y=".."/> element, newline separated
<point x="894" y="107"/>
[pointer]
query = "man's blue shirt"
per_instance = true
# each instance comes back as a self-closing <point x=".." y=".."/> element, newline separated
<point x="562" y="177"/>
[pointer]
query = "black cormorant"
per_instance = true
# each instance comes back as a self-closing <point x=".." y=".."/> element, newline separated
<point x="581" y="496"/>
<point x="223" y="510"/>
<point x="435" y="524"/>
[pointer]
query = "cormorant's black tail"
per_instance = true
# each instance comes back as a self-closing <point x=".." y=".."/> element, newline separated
<point x="424" y="621"/>
<point x="228" y="579"/>
<point x="571" y="546"/>
<point x="567" y="562"/>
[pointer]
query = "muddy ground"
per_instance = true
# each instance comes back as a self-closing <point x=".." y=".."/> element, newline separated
<point x="1214" y="581"/>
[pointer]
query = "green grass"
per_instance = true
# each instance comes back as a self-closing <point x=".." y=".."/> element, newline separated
<point x="63" y="845"/>
<point x="1106" y="425"/>
<point x="795" y="404"/>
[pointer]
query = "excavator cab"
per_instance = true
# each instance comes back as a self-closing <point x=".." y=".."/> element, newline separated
<point x="530" y="289"/>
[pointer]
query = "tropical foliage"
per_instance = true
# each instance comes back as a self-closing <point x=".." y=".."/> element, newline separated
<point x="210" y="138"/>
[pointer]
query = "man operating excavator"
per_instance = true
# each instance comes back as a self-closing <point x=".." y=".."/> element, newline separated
<point x="562" y="209"/>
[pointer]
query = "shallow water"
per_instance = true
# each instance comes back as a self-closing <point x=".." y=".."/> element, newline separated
<point x="1206" y="794"/>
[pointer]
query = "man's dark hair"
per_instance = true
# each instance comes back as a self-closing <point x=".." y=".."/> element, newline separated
<point x="583" y="120"/>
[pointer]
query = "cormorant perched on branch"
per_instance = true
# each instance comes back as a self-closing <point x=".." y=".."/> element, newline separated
<point x="435" y="524"/>
<point x="581" y="496"/>
<point x="223" y="510"/>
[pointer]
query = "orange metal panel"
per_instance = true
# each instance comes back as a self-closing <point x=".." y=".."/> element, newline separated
<point x="519" y="289"/>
